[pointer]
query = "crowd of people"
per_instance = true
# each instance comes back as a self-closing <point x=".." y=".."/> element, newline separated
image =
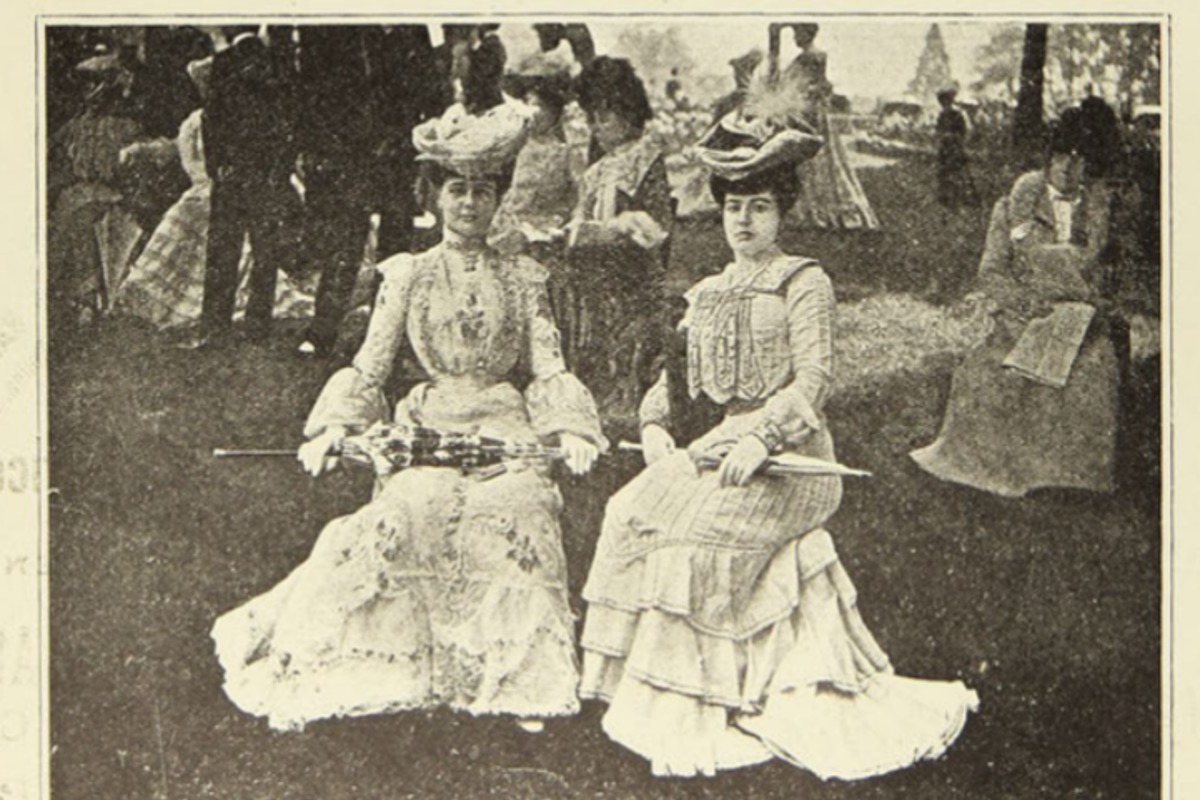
<point x="722" y="629"/>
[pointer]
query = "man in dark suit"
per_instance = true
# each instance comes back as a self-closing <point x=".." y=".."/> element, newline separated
<point x="408" y="88"/>
<point x="164" y="91"/>
<point x="250" y="152"/>
<point x="337" y="133"/>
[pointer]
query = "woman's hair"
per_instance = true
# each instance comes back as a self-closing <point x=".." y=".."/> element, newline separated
<point x="432" y="176"/>
<point x="1066" y="134"/>
<point x="782" y="181"/>
<point x="612" y="84"/>
<point x="1100" y="145"/>
<point x="553" y="90"/>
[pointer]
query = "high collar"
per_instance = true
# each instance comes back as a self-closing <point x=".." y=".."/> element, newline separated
<point x="743" y="271"/>
<point x="456" y="243"/>
<point x="1055" y="195"/>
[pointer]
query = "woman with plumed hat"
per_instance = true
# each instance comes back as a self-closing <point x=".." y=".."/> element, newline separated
<point x="83" y="176"/>
<point x="444" y="589"/>
<point x="722" y="630"/>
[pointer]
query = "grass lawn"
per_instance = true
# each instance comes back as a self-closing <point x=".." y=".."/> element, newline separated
<point x="1047" y="606"/>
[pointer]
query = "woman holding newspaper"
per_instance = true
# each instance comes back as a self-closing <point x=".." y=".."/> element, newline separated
<point x="721" y="627"/>
<point x="449" y="588"/>
<point x="1035" y="405"/>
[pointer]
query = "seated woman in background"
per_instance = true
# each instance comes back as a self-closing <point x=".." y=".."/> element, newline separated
<point x="444" y="589"/>
<point x="1035" y="405"/>
<point x="721" y="627"/>
<point x="617" y="238"/>
<point x="532" y="217"/>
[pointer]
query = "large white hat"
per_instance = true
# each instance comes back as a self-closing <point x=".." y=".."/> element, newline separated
<point x="470" y="144"/>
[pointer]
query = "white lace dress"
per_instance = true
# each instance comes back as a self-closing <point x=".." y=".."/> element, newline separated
<point x="444" y="589"/>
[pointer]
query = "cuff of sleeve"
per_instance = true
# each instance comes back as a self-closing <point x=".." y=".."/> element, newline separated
<point x="771" y="435"/>
<point x="562" y="404"/>
<point x="347" y="400"/>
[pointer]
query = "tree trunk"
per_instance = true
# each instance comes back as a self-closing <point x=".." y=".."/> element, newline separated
<point x="1027" y="120"/>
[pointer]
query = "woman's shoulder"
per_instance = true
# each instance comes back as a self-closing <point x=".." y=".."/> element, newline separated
<point x="790" y="271"/>
<point x="525" y="269"/>
<point x="784" y="273"/>
<point x="706" y="284"/>
<point x="398" y="270"/>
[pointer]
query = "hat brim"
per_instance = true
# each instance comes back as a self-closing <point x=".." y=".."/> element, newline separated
<point x="736" y="155"/>
<point x="482" y="145"/>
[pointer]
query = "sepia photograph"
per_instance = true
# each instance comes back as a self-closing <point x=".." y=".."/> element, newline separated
<point x="607" y="406"/>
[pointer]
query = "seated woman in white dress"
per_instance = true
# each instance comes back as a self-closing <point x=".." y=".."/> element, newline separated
<point x="721" y="627"/>
<point x="445" y="589"/>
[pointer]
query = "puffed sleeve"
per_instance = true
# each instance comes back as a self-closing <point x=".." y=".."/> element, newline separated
<point x="353" y="396"/>
<point x="655" y="408"/>
<point x="793" y="412"/>
<point x="556" y="400"/>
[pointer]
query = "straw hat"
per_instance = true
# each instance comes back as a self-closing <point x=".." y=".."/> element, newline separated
<point x="474" y="145"/>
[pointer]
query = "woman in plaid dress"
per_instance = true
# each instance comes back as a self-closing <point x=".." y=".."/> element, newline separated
<point x="722" y="629"/>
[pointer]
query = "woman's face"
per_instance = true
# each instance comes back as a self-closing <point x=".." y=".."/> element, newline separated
<point x="466" y="205"/>
<point x="1065" y="172"/>
<point x="544" y="117"/>
<point x="610" y="129"/>
<point x="751" y="223"/>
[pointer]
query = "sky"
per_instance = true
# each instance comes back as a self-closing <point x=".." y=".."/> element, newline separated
<point x="866" y="58"/>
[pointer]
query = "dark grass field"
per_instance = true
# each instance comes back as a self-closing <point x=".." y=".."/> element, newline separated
<point x="1047" y="606"/>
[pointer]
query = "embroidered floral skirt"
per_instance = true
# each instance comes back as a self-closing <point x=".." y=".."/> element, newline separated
<point x="443" y="590"/>
<point x="720" y="639"/>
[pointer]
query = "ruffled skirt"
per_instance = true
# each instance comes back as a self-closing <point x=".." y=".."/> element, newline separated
<point x="444" y="590"/>
<point x="831" y="195"/>
<point x="700" y="679"/>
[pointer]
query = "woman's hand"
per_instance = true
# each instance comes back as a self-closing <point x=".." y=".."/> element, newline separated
<point x="641" y="228"/>
<point x="657" y="443"/>
<point x="580" y="454"/>
<point x="315" y="453"/>
<point x="740" y="463"/>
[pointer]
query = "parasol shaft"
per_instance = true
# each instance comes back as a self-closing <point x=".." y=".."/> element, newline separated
<point x="785" y="465"/>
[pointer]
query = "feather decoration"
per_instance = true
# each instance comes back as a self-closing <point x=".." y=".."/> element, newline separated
<point x="778" y="104"/>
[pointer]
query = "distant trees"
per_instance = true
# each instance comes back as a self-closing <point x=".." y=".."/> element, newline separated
<point x="1119" y="62"/>
<point x="1027" y="121"/>
<point x="933" y="69"/>
<point x="654" y="52"/>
